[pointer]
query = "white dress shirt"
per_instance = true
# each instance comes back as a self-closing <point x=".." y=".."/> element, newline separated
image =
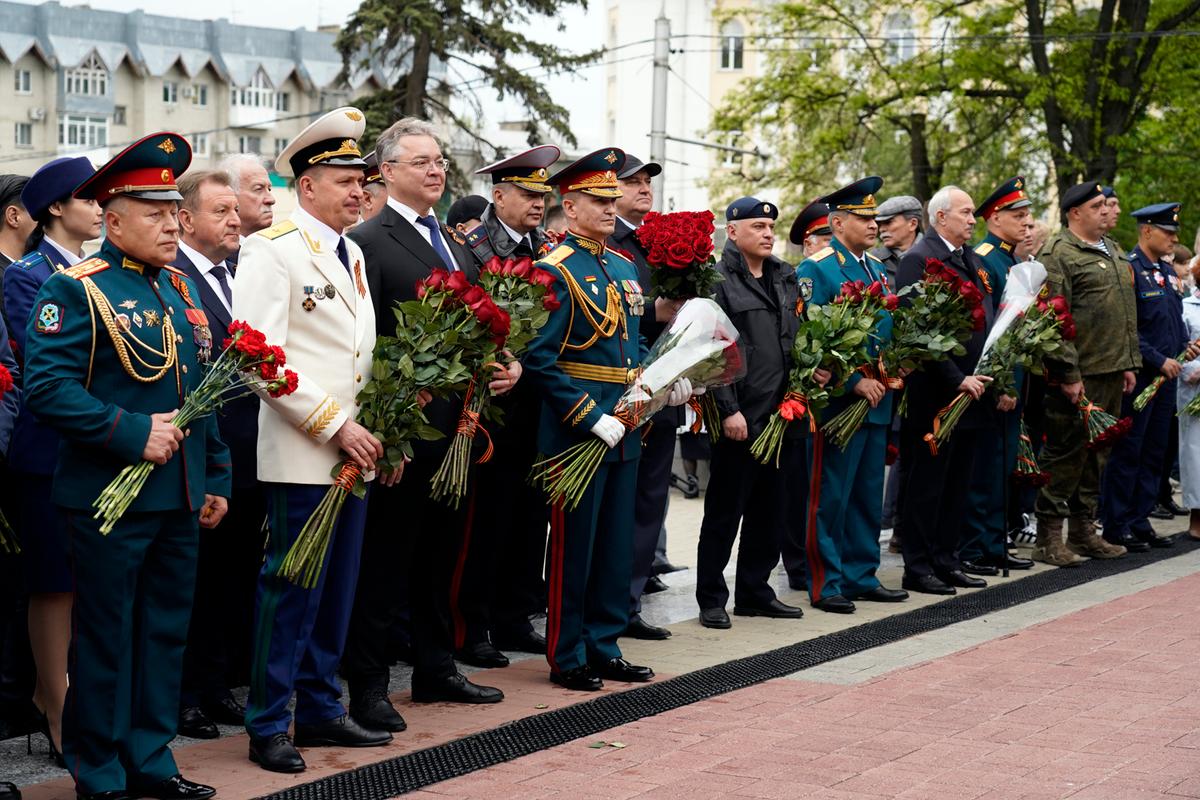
<point x="205" y="268"/>
<point x="411" y="215"/>
<point x="71" y="258"/>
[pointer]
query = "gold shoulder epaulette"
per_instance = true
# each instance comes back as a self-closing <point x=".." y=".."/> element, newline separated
<point x="278" y="229"/>
<point x="984" y="248"/>
<point x="874" y="258"/>
<point x="88" y="267"/>
<point x="558" y="255"/>
<point x="824" y="252"/>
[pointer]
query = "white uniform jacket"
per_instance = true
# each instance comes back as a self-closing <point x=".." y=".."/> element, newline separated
<point x="292" y="286"/>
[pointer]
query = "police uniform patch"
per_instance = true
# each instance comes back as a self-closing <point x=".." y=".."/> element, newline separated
<point x="806" y="288"/>
<point x="49" y="318"/>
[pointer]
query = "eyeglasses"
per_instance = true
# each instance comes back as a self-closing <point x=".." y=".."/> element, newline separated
<point x="424" y="164"/>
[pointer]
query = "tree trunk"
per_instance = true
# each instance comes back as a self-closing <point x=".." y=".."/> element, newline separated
<point x="918" y="150"/>
<point x="418" y="78"/>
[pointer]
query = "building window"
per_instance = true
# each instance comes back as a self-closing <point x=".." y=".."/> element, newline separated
<point x="250" y="144"/>
<point x="118" y="115"/>
<point x="732" y="39"/>
<point x="75" y="130"/>
<point x="900" y="36"/>
<point x="170" y="92"/>
<point x="283" y="101"/>
<point x="24" y="134"/>
<point x="280" y="146"/>
<point x="199" y="94"/>
<point x="23" y="81"/>
<point x="200" y="145"/>
<point x="259" y="94"/>
<point x="90" y="77"/>
<point x="730" y="159"/>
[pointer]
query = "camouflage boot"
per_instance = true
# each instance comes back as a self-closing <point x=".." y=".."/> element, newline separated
<point x="1083" y="539"/>
<point x="1049" y="548"/>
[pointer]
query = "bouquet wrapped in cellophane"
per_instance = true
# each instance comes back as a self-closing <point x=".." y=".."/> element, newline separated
<point x="700" y="345"/>
<point x="247" y="361"/>
<point x="424" y="358"/>
<point x="940" y="315"/>
<point x="835" y="337"/>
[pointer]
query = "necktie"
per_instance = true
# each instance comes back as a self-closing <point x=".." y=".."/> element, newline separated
<point x="435" y="240"/>
<point x="343" y="256"/>
<point x="219" y="271"/>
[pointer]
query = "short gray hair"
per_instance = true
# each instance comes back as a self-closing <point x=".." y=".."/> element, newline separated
<point x="389" y="140"/>
<point x="940" y="202"/>
<point x="234" y="163"/>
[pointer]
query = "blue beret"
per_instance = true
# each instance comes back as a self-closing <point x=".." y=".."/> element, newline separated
<point x="750" y="208"/>
<point x="54" y="181"/>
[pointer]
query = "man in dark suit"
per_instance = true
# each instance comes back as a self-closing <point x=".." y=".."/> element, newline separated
<point x="936" y="486"/>
<point x="404" y="525"/>
<point x="217" y="654"/>
<point x="658" y="444"/>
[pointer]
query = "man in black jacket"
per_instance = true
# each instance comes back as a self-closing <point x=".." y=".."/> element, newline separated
<point x="759" y="293"/>
<point x="405" y="527"/>
<point x="658" y="443"/>
<point x="935" y="486"/>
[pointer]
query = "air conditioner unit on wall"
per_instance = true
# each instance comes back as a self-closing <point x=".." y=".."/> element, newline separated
<point x="37" y="114"/>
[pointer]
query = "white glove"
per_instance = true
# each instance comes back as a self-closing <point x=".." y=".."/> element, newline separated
<point x="681" y="390"/>
<point x="698" y="391"/>
<point x="609" y="429"/>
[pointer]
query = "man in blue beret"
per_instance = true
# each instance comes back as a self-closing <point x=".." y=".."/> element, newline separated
<point x="1135" y="466"/>
<point x="845" y="505"/>
<point x="115" y="344"/>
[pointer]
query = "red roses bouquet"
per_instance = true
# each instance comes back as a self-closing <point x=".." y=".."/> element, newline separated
<point x="246" y="363"/>
<point x="1027" y="471"/>
<point x="679" y="250"/>
<point x="834" y="337"/>
<point x="929" y="327"/>
<point x="1103" y="429"/>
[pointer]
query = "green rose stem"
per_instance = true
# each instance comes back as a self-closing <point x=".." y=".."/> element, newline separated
<point x="304" y="560"/>
<point x="1146" y="395"/>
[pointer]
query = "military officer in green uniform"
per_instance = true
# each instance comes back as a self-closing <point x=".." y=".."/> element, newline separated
<point x="581" y="361"/>
<point x="1089" y="270"/>
<point x="846" y="497"/>
<point x="983" y="543"/>
<point x="114" y="344"/>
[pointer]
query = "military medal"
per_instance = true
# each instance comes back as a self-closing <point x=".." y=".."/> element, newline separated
<point x="130" y="304"/>
<point x="983" y="276"/>
<point x="309" y="304"/>
<point x="151" y="318"/>
<point x="330" y="292"/>
<point x="137" y="319"/>
<point x="123" y="321"/>
<point x="358" y="281"/>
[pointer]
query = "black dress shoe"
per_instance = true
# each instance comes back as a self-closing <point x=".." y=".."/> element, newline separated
<point x="998" y="563"/>
<point x="978" y="568"/>
<point x="580" y="679"/>
<point x="618" y="669"/>
<point x="837" y="604"/>
<point x="276" y="754"/>
<point x="956" y="577"/>
<point x="195" y="724"/>
<point x="1174" y="508"/>
<point x="1162" y="512"/>
<point x="371" y="708"/>
<point x="1153" y="539"/>
<point x="926" y="584"/>
<point x="340" y="731"/>
<point x="482" y="654"/>
<point x="529" y="641"/>
<point x="665" y="567"/>
<point x="224" y="710"/>
<point x="9" y="791"/>
<point x="1128" y="541"/>
<point x="116" y="794"/>
<point x="882" y="594"/>
<point x="715" y="618"/>
<point x="174" y="788"/>
<point x="774" y="609"/>
<point x="454" y="689"/>
<point x="638" y="628"/>
<point x="654" y="585"/>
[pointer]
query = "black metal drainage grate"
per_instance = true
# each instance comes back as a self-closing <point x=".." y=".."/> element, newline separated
<point x="521" y="737"/>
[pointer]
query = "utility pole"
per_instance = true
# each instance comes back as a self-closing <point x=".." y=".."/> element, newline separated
<point x="658" y="112"/>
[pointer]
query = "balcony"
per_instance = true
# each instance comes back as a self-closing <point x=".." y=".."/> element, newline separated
<point x="255" y="117"/>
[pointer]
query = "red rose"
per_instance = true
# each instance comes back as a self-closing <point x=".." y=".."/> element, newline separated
<point x="679" y="255"/>
<point x="875" y="289"/>
<point x="542" y="278"/>
<point x="522" y="267"/>
<point x="550" y="301"/>
<point x="457" y="282"/>
<point x="933" y="266"/>
<point x="6" y="380"/>
<point x="1068" y="330"/>
<point x="891" y="302"/>
<point x="472" y="295"/>
<point x="702" y="249"/>
<point x="500" y="324"/>
<point x="978" y="319"/>
<point x="1059" y="304"/>
<point x="436" y="280"/>
<point x="493" y="265"/>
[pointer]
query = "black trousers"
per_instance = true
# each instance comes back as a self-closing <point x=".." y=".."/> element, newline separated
<point x="411" y="545"/>
<point x="501" y="582"/>
<point x="217" y="655"/>
<point x="741" y="493"/>
<point x="650" y="505"/>
<point x="798" y="472"/>
<point x="934" y="489"/>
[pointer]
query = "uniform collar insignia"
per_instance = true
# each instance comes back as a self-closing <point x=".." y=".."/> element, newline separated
<point x="591" y="245"/>
<point x="129" y="263"/>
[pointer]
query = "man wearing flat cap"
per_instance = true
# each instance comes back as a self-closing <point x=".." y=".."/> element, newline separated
<point x="983" y="541"/>
<point x="111" y="395"/>
<point x="303" y="284"/>
<point x="846" y="492"/>
<point x="501" y="585"/>
<point x="581" y="361"/>
<point x="1099" y="366"/>
<point x="1135" y="467"/>
<point x="760" y="295"/>
<point x="899" y="221"/>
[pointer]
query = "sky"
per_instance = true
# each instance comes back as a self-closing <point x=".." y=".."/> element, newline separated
<point x="583" y="97"/>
